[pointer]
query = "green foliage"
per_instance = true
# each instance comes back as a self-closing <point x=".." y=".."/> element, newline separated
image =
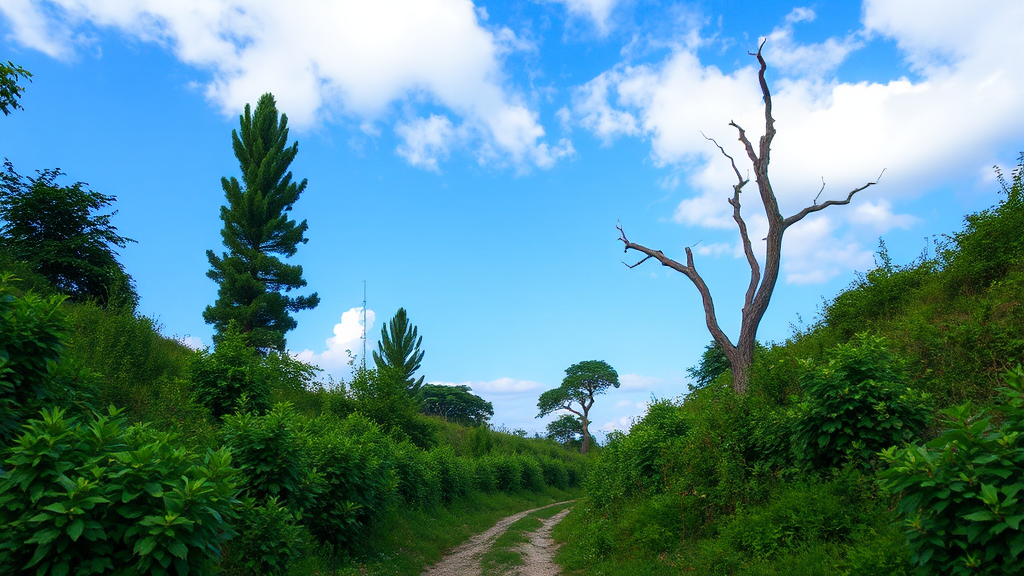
<point x="230" y="379"/>
<point x="354" y="457"/>
<point x="382" y="396"/>
<point x="271" y="455"/>
<point x="566" y="430"/>
<point x="960" y="493"/>
<point x="399" y="350"/>
<point x="92" y="497"/>
<point x="10" y="89"/>
<point x="455" y="404"/>
<point x="252" y="280"/>
<point x="139" y="368"/>
<point x="713" y="364"/>
<point x="270" y="540"/>
<point x="56" y="230"/>
<point x="857" y="405"/>
<point x="991" y="243"/>
<point x="32" y="375"/>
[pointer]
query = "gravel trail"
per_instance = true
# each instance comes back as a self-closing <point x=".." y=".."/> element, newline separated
<point x="464" y="560"/>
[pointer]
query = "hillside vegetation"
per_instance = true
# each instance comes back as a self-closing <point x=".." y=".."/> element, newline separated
<point x="125" y="450"/>
<point x="885" y="439"/>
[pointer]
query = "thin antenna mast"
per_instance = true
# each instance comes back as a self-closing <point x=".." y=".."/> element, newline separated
<point x="364" y="325"/>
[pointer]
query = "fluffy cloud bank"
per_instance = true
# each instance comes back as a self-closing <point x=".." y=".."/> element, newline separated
<point x="966" y="101"/>
<point x="345" y="345"/>
<point x="326" y="60"/>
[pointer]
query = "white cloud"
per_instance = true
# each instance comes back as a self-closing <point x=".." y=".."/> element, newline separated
<point x="427" y="140"/>
<point x="598" y="11"/>
<point x="967" y="103"/>
<point x="193" y="342"/>
<point x="592" y="110"/>
<point x="878" y="215"/>
<point x="636" y="381"/>
<point x="345" y="344"/>
<point x="323" y="60"/>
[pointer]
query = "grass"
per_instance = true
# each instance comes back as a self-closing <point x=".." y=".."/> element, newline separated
<point x="407" y="541"/>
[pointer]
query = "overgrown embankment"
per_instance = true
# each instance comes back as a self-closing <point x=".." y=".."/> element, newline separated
<point x="229" y="461"/>
<point x="821" y="468"/>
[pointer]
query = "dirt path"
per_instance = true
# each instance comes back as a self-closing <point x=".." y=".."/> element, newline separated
<point x="538" y="554"/>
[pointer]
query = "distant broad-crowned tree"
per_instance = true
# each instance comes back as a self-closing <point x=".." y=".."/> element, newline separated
<point x="399" y="348"/>
<point x="10" y="90"/>
<point x="62" y="233"/>
<point x="253" y="280"/>
<point x="566" y="430"/>
<point x="455" y="404"/>
<point x="582" y="382"/>
<point x="762" y="282"/>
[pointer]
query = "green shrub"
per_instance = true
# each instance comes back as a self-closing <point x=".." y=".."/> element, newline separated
<point x="555" y="473"/>
<point x="532" y="475"/>
<point x="484" y="474"/>
<point x="418" y="484"/>
<point x="961" y="493"/>
<point x="270" y="539"/>
<point x="355" y="459"/>
<point x="856" y="405"/>
<point x="271" y="455"/>
<point x="454" y="474"/>
<point x="508" y="473"/>
<point x="232" y="372"/>
<point x="96" y="497"/>
<point x="382" y="396"/>
<point x="32" y="374"/>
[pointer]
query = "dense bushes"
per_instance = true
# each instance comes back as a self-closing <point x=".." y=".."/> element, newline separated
<point x="961" y="494"/>
<point x="856" y="405"/>
<point x="93" y="496"/>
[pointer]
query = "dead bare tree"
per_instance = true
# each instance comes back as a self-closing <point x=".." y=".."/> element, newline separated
<point x="761" y="287"/>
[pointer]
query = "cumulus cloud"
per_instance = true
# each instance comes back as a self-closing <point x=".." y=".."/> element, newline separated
<point x="346" y="343"/>
<point x="597" y="11"/>
<point x="324" y="60"/>
<point x="967" y="102"/>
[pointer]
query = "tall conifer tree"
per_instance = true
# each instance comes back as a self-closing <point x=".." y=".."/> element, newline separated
<point x="399" y="348"/>
<point x="253" y="280"/>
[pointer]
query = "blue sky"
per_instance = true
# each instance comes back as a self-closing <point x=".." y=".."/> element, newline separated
<point x="470" y="161"/>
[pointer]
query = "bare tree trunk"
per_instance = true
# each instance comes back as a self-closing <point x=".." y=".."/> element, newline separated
<point x="761" y="286"/>
<point x="586" y="436"/>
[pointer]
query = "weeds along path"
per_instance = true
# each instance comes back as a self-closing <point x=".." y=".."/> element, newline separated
<point x="538" y="554"/>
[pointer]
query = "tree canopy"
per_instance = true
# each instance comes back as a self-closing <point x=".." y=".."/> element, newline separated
<point x="252" y="278"/>
<point x="455" y="404"/>
<point x="62" y="232"/>
<point x="10" y="89"/>
<point x="399" y="348"/>
<point x="583" y="381"/>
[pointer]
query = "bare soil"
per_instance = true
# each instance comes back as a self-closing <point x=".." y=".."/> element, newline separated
<point x="538" y="553"/>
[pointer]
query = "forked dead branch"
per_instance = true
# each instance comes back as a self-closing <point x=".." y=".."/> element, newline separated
<point x="762" y="284"/>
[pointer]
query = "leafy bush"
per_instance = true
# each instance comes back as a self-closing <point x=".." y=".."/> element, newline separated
<point x="856" y="405"/>
<point x="96" y="497"/>
<point x="454" y="474"/>
<point x="418" y="483"/>
<point x="508" y="472"/>
<point x="33" y="373"/>
<point x="961" y="493"/>
<point x="231" y="372"/>
<point x="271" y="455"/>
<point x="354" y="458"/>
<point x="270" y="539"/>
<point x="382" y="396"/>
